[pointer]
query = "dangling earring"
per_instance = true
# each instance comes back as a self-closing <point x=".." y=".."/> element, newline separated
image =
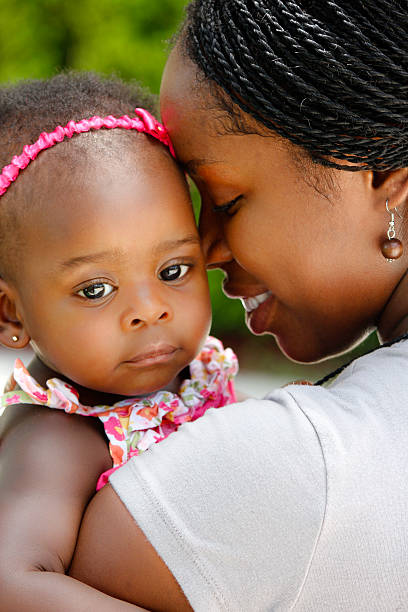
<point x="392" y="247"/>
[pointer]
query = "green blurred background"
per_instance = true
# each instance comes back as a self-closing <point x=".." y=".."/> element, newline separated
<point x="129" y="38"/>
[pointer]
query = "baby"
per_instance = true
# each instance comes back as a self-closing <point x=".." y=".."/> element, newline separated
<point x="101" y="272"/>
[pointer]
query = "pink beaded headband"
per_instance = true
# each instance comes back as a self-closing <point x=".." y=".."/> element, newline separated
<point x="143" y="122"/>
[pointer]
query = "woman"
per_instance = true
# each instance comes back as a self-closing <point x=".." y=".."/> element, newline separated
<point x="291" y="117"/>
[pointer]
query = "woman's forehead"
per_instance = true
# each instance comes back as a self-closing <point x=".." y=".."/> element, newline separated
<point x="199" y="127"/>
<point x="189" y="115"/>
<point x="180" y="73"/>
<point x="181" y="99"/>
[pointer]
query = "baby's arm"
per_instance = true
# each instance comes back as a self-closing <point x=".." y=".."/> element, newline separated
<point x="50" y="462"/>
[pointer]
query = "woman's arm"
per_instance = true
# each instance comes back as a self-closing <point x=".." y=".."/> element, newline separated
<point x="114" y="555"/>
<point x="49" y="465"/>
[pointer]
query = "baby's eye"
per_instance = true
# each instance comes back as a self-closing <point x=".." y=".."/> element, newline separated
<point x="174" y="272"/>
<point x="96" y="291"/>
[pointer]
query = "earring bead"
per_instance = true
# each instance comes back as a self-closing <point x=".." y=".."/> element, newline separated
<point x="391" y="249"/>
<point x="14" y="338"/>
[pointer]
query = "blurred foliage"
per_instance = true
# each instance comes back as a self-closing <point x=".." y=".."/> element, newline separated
<point x="126" y="37"/>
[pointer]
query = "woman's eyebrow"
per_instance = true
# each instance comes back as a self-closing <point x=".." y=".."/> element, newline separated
<point x="193" y="165"/>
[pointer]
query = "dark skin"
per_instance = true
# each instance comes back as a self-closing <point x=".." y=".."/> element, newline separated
<point x="318" y="255"/>
<point x="129" y="237"/>
<point x="284" y="235"/>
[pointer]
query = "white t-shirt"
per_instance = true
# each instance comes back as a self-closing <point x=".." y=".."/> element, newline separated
<point x="295" y="502"/>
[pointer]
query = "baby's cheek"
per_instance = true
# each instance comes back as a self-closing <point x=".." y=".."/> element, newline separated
<point x="198" y="320"/>
<point x="87" y="354"/>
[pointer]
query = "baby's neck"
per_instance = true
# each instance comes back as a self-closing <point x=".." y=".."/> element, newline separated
<point x="88" y="397"/>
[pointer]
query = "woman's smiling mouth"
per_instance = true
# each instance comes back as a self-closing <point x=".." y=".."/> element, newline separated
<point x="260" y="311"/>
<point x="260" y="308"/>
<point x="251" y="303"/>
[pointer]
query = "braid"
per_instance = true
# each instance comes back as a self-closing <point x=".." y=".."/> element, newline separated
<point x="330" y="77"/>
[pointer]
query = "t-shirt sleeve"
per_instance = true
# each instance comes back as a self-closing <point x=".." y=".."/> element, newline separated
<point x="233" y="503"/>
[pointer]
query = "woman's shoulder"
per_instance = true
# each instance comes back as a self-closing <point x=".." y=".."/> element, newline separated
<point x="278" y="482"/>
<point x="241" y="488"/>
<point x="361" y="419"/>
<point x="372" y="380"/>
<point x="385" y="362"/>
<point x="234" y="452"/>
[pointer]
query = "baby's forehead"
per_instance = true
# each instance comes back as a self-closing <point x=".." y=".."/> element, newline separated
<point x="94" y="183"/>
<point x="90" y="161"/>
<point x="96" y="149"/>
<point x="100" y="180"/>
<point x="129" y="215"/>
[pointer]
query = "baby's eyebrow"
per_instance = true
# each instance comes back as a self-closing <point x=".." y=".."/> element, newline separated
<point x="91" y="258"/>
<point x="169" y="245"/>
<point x="116" y="254"/>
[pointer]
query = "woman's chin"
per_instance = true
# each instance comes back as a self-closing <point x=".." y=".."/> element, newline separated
<point x="310" y="344"/>
<point x="307" y="350"/>
<point x="300" y="354"/>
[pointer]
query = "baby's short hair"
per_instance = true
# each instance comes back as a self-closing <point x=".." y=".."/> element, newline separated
<point x="31" y="107"/>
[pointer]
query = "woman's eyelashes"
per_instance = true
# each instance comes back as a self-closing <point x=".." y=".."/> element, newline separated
<point x="96" y="290"/>
<point x="228" y="207"/>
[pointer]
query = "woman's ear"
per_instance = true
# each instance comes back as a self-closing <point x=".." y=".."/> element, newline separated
<point x="392" y="185"/>
<point x="12" y="331"/>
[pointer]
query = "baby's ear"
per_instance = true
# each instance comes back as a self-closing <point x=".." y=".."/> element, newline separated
<point x="12" y="332"/>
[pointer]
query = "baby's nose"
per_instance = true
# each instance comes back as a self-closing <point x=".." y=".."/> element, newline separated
<point x="147" y="309"/>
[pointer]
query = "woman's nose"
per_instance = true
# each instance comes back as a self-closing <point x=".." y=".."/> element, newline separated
<point x="147" y="308"/>
<point x="215" y="247"/>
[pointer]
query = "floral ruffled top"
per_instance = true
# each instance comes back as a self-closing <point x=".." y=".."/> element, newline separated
<point x="134" y="424"/>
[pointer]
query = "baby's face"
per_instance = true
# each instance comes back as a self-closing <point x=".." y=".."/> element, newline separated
<point x="114" y="290"/>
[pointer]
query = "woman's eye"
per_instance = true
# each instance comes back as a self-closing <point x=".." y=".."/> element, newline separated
<point x="174" y="272"/>
<point x="228" y="207"/>
<point x="96" y="291"/>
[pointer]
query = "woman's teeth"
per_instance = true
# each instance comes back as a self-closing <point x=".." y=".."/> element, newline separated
<point x="253" y="302"/>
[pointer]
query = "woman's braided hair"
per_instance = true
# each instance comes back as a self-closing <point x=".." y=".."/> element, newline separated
<point x="329" y="75"/>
